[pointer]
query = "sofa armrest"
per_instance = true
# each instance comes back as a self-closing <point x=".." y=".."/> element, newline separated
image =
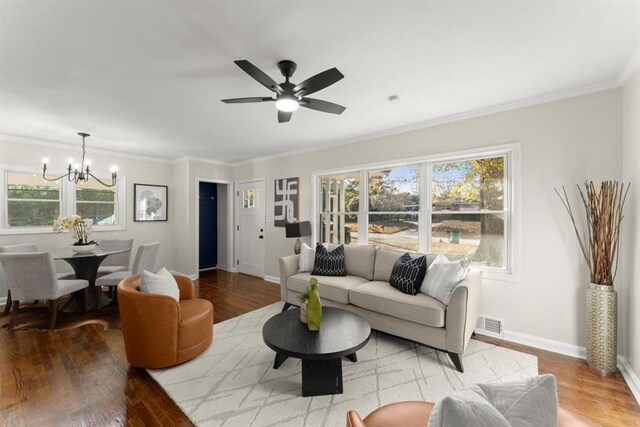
<point x="462" y="312"/>
<point x="288" y="267"/>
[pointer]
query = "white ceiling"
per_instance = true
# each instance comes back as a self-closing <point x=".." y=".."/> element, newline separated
<point x="146" y="77"/>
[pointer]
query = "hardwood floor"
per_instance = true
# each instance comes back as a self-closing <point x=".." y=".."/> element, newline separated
<point x="78" y="375"/>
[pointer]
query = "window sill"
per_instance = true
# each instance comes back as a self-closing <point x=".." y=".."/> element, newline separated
<point x="501" y="276"/>
<point x="48" y="230"/>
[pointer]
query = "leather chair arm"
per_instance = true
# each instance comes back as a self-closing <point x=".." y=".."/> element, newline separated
<point x="186" y="285"/>
<point x="149" y="327"/>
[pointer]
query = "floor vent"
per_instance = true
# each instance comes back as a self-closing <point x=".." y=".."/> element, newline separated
<point x="490" y="326"/>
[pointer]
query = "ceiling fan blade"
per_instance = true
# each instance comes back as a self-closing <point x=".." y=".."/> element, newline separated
<point x="318" y="82"/>
<point x="259" y="75"/>
<point x="320" y="105"/>
<point x="245" y="100"/>
<point x="284" y="116"/>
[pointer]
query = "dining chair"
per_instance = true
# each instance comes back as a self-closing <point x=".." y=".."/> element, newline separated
<point x="145" y="259"/>
<point x="22" y="247"/>
<point x="28" y="248"/>
<point x="115" y="262"/>
<point x="32" y="276"/>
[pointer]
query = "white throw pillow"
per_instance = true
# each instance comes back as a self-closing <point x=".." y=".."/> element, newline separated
<point x="531" y="402"/>
<point x="307" y="258"/>
<point x="443" y="276"/>
<point x="162" y="283"/>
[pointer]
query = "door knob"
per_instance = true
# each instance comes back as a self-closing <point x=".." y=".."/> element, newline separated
<point x="260" y="237"/>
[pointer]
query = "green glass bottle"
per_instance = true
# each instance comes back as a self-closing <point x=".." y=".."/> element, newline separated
<point x="314" y="307"/>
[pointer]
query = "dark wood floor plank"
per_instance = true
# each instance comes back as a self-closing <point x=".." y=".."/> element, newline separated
<point x="78" y="374"/>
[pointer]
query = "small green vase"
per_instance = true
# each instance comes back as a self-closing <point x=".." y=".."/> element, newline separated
<point x="314" y="307"/>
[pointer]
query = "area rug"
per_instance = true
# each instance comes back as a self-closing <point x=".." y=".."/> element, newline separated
<point x="233" y="383"/>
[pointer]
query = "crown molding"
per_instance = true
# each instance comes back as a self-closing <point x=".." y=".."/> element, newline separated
<point x="203" y="160"/>
<point x="514" y="105"/>
<point x="63" y="146"/>
<point x="633" y="64"/>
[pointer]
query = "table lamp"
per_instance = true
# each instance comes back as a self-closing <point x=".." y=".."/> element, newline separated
<point x="298" y="229"/>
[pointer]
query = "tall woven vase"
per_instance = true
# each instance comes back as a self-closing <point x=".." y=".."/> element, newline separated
<point x="602" y="328"/>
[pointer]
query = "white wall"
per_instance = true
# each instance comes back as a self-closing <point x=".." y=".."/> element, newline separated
<point x="223" y="223"/>
<point x="630" y="249"/>
<point x="134" y="170"/>
<point x="563" y="142"/>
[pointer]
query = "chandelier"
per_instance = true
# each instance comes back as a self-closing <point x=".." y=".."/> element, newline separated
<point x="80" y="173"/>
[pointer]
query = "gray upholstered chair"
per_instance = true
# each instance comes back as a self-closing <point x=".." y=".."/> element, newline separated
<point x="116" y="262"/>
<point x="11" y="249"/>
<point x="32" y="276"/>
<point x="145" y="260"/>
<point x="112" y="263"/>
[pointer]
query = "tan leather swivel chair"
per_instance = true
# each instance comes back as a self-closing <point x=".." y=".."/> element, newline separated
<point x="416" y="414"/>
<point x="159" y="331"/>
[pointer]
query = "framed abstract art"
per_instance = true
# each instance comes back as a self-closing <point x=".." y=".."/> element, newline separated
<point x="150" y="202"/>
<point x="286" y="201"/>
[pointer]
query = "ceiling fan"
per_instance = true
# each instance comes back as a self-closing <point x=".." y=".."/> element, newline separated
<point x="290" y="96"/>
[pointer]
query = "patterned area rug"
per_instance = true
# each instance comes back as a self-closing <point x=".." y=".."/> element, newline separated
<point x="233" y="382"/>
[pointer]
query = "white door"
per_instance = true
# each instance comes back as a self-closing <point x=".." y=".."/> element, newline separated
<point x="250" y="228"/>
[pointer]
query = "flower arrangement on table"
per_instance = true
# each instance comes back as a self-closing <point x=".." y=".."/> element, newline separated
<point x="80" y="229"/>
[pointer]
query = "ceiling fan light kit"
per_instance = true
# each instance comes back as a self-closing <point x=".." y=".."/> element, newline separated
<point x="287" y="103"/>
<point x="288" y="96"/>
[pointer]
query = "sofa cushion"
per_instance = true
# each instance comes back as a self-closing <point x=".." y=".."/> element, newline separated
<point x="329" y="263"/>
<point x="385" y="260"/>
<point x="443" y="276"/>
<point x="382" y="298"/>
<point x="408" y="273"/>
<point x="329" y="287"/>
<point x="358" y="259"/>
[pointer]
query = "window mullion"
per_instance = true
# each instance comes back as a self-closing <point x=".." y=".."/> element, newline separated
<point x="363" y="209"/>
<point x="68" y="198"/>
<point x="425" y="208"/>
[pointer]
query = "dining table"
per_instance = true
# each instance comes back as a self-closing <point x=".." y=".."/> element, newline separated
<point x="85" y="266"/>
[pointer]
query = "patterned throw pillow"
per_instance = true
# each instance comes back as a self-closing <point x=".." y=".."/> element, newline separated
<point x="408" y="273"/>
<point x="329" y="263"/>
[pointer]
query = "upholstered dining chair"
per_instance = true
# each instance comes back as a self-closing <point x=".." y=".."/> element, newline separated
<point x="112" y="263"/>
<point x="145" y="260"/>
<point x="20" y="248"/>
<point x="115" y="262"/>
<point x="32" y="276"/>
<point x="159" y="331"/>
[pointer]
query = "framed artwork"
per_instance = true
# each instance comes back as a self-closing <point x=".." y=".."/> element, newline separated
<point x="150" y="202"/>
<point x="285" y="201"/>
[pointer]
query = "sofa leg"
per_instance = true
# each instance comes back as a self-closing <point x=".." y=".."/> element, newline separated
<point x="286" y="306"/>
<point x="457" y="361"/>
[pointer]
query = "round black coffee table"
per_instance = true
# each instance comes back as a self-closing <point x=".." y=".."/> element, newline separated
<point x="341" y="334"/>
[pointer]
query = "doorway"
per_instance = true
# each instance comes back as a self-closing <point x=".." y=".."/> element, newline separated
<point x="214" y="221"/>
<point x="250" y="229"/>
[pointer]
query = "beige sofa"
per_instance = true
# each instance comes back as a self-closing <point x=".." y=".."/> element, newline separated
<point x="365" y="290"/>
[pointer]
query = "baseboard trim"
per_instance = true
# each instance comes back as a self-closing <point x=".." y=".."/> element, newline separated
<point x="572" y="350"/>
<point x="272" y="279"/>
<point x="545" y="344"/>
<point x="630" y="377"/>
<point x="3" y="300"/>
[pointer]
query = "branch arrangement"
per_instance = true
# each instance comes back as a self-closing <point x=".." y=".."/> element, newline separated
<point x="603" y="210"/>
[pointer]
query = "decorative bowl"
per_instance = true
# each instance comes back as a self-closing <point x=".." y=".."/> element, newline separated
<point x="83" y="248"/>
